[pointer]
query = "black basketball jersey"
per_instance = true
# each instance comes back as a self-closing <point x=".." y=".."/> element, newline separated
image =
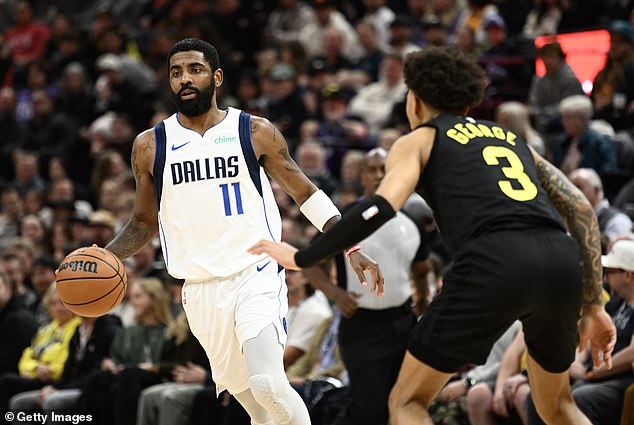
<point x="481" y="177"/>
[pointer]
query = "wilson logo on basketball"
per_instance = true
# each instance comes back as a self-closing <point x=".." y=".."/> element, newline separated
<point x="81" y="265"/>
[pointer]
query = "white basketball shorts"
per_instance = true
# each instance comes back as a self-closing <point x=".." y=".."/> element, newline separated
<point x="223" y="313"/>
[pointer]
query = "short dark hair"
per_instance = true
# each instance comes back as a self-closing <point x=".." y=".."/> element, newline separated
<point x="209" y="51"/>
<point x="444" y="78"/>
<point x="553" y="47"/>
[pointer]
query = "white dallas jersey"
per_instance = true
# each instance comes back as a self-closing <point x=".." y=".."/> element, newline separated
<point x="214" y="200"/>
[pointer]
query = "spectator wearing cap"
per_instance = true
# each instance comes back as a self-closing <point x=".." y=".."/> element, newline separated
<point x="400" y="43"/>
<point x="543" y="19"/>
<point x="104" y="224"/>
<point x="547" y="92"/>
<point x="508" y="71"/>
<point x="286" y="110"/>
<point x="336" y="128"/>
<point x="42" y="277"/>
<point x="613" y="91"/>
<point x="600" y="393"/>
<point x="374" y="103"/>
<point x="435" y="31"/>
<point x="327" y="16"/>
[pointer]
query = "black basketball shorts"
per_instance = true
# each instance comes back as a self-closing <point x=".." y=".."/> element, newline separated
<point x="534" y="276"/>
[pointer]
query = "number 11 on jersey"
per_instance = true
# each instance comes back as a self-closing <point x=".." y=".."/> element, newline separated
<point x="226" y="197"/>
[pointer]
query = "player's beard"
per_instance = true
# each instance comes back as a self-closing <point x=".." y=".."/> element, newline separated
<point x="197" y="106"/>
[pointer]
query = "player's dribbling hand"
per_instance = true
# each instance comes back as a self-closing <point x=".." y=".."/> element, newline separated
<point x="281" y="252"/>
<point x="361" y="263"/>
<point x="596" y="327"/>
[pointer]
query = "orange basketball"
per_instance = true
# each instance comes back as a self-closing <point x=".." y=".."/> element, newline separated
<point x="91" y="281"/>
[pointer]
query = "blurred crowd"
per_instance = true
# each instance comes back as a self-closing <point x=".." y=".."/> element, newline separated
<point x="79" y="80"/>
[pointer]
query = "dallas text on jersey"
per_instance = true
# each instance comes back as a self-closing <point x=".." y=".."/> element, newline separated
<point x="204" y="169"/>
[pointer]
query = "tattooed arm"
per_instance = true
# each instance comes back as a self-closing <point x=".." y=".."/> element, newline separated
<point x="272" y="152"/>
<point x="596" y="326"/>
<point x="582" y="224"/>
<point x="144" y="222"/>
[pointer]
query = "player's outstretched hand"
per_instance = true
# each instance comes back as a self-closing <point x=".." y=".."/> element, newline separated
<point x="596" y="327"/>
<point x="361" y="263"/>
<point x="281" y="252"/>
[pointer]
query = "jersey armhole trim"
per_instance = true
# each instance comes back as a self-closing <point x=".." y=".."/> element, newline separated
<point x="159" y="161"/>
<point x="244" y="131"/>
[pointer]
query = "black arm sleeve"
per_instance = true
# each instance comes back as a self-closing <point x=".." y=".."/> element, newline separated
<point x="359" y="223"/>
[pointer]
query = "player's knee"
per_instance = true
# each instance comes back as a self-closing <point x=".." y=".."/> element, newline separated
<point x="272" y="394"/>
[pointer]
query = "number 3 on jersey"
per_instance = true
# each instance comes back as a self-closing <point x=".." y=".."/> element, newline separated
<point x="491" y="155"/>
<point x="225" y="196"/>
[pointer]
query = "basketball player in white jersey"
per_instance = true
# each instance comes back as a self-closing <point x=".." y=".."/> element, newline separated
<point x="202" y="184"/>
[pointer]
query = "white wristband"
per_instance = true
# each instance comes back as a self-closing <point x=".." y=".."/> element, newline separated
<point x="318" y="208"/>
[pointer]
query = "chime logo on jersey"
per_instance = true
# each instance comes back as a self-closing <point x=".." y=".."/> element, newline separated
<point x="204" y="169"/>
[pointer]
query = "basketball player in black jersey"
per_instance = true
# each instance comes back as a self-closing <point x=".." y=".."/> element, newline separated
<point x="499" y="208"/>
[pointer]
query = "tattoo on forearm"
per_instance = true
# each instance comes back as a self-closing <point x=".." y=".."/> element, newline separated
<point x="582" y="224"/>
<point x="133" y="237"/>
<point x="290" y="164"/>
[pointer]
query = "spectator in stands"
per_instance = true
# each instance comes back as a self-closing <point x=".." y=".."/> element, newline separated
<point x="449" y="12"/>
<point x="613" y="91"/>
<point x="328" y="16"/>
<point x="377" y="12"/>
<point x="88" y="347"/>
<point x="27" y="172"/>
<point x="311" y="159"/>
<point x="286" y="110"/>
<point x="16" y="273"/>
<point x="287" y="20"/>
<point x="543" y="19"/>
<point x="366" y="68"/>
<point x="33" y="229"/>
<point x="474" y="17"/>
<point x="185" y="367"/>
<point x="75" y="99"/>
<point x="435" y="31"/>
<point x="400" y="33"/>
<point x="139" y="346"/>
<point x="307" y="309"/>
<point x="43" y="361"/>
<point x="613" y="223"/>
<point x="337" y="128"/>
<point x="515" y="116"/>
<point x="11" y="207"/>
<point x="14" y="133"/>
<point x="17" y="327"/>
<point x="374" y="103"/>
<point x="50" y="133"/>
<point x="582" y="147"/>
<point x="24" y="42"/>
<point x="42" y="277"/>
<point x="547" y="92"/>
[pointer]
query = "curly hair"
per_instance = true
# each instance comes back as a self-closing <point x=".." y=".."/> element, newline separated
<point x="444" y="78"/>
